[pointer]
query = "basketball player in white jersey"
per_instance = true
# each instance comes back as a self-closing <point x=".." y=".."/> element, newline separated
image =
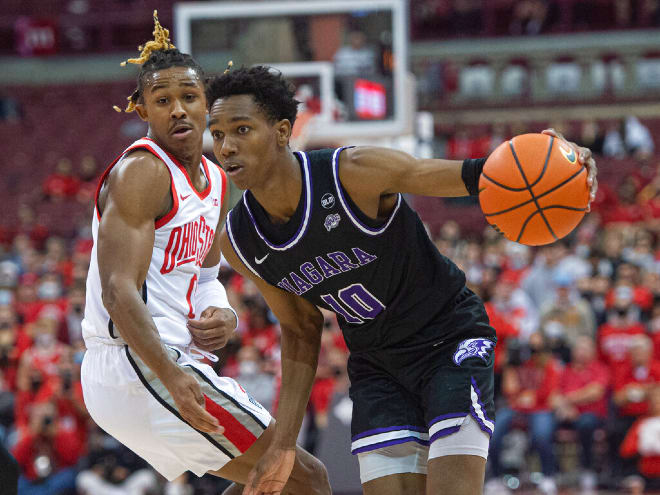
<point x="154" y="304"/>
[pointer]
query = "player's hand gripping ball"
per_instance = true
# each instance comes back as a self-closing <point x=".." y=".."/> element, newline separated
<point x="534" y="189"/>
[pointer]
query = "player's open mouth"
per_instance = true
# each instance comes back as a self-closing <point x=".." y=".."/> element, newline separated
<point x="232" y="168"/>
<point x="181" y="130"/>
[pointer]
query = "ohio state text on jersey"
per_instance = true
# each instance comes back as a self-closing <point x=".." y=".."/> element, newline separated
<point x="182" y="240"/>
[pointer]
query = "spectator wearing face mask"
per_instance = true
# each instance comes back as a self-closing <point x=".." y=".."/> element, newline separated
<point x="46" y="453"/>
<point x="529" y="386"/>
<point x="510" y="300"/>
<point x="570" y="310"/>
<point x="251" y="376"/>
<point x="642" y="442"/>
<point x="112" y="469"/>
<point x="74" y="315"/>
<point x="628" y="275"/>
<point x="632" y="381"/>
<point x="581" y="401"/>
<point x="38" y="368"/>
<point x="594" y="290"/>
<point x="621" y="326"/>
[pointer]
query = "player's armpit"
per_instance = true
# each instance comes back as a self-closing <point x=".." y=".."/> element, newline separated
<point x="293" y="312"/>
<point x="368" y="171"/>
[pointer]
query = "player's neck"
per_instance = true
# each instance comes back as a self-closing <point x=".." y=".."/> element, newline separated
<point x="189" y="157"/>
<point x="280" y="194"/>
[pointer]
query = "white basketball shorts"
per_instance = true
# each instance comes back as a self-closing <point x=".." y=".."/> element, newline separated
<point x="128" y="401"/>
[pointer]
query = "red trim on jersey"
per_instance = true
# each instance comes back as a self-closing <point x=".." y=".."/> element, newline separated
<point x="200" y="195"/>
<point x="223" y="176"/>
<point x="235" y="432"/>
<point x="175" y="199"/>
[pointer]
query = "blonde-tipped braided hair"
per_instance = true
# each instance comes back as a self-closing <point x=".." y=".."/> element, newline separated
<point x="157" y="54"/>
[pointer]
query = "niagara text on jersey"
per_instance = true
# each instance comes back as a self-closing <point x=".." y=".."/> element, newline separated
<point x="183" y="238"/>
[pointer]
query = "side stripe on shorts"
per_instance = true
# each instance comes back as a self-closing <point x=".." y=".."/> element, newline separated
<point x="242" y="427"/>
<point x="168" y="403"/>
<point x="478" y="410"/>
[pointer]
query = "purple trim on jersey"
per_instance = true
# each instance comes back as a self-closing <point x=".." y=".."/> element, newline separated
<point x="444" y="433"/>
<point x="364" y="228"/>
<point x="447" y="416"/>
<point x="473" y="412"/>
<point x="234" y="244"/>
<point x="302" y="228"/>
<point x="376" y="431"/>
<point x="388" y="443"/>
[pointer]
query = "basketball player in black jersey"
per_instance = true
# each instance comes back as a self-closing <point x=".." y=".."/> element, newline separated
<point x="330" y="228"/>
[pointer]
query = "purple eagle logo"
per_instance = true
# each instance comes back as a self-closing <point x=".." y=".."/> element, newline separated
<point x="331" y="221"/>
<point x="471" y="348"/>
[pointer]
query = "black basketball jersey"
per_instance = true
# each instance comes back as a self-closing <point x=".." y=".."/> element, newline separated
<point x="386" y="281"/>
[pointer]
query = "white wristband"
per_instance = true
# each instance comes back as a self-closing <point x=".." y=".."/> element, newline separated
<point x="210" y="292"/>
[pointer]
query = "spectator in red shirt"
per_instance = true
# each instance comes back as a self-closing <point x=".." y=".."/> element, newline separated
<point x="642" y="442"/>
<point x="627" y="275"/>
<point x="614" y="336"/>
<point x="261" y="333"/>
<point x="627" y="210"/>
<point x="505" y="332"/>
<point x="62" y="183"/>
<point x="89" y="177"/>
<point x="581" y="402"/>
<point x="47" y="454"/>
<point x="632" y="380"/>
<point x="528" y="387"/>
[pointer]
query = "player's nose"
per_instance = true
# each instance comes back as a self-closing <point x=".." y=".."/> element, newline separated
<point x="177" y="111"/>
<point x="228" y="147"/>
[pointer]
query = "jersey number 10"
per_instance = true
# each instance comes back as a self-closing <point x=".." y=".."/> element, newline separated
<point x="360" y="301"/>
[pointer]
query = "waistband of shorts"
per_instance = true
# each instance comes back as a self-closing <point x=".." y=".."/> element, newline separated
<point x="92" y="342"/>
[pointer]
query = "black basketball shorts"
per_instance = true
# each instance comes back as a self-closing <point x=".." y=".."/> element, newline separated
<point x="424" y="391"/>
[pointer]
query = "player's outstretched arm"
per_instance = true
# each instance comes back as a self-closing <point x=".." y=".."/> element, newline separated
<point x="375" y="171"/>
<point x="301" y="323"/>
<point x="369" y="173"/>
<point x="137" y="193"/>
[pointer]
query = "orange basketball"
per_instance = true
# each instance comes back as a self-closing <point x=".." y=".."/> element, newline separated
<point x="533" y="189"/>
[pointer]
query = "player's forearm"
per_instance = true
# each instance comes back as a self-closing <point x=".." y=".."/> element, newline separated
<point x="135" y="325"/>
<point x="299" y="361"/>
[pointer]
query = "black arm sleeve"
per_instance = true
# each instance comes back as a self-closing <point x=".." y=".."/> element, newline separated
<point x="470" y="174"/>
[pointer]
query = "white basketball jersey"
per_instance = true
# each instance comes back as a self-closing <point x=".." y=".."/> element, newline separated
<point x="183" y="239"/>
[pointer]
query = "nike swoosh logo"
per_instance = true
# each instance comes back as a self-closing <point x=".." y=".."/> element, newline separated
<point x="569" y="155"/>
<point x="260" y="261"/>
<point x="183" y="198"/>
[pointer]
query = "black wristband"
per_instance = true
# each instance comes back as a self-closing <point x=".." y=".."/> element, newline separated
<point x="470" y="174"/>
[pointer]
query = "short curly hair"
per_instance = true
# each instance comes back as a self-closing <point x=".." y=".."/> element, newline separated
<point x="273" y="94"/>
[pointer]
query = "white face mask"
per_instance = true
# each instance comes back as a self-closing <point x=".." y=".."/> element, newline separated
<point x="49" y="290"/>
<point x="44" y="340"/>
<point x="248" y="368"/>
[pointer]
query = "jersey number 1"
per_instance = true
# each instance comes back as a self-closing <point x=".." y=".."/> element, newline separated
<point x="191" y="291"/>
<point x="359" y="300"/>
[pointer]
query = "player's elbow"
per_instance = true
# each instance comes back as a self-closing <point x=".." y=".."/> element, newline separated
<point x="111" y="294"/>
<point x="301" y="339"/>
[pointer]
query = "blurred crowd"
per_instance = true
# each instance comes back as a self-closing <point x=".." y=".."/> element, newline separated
<point x="616" y="138"/>
<point x="433" y="19"/>
<point x="577" y="359"/>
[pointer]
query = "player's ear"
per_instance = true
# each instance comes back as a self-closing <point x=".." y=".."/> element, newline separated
<point x="141" y="110"/>
<point x="283" y="129"/>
